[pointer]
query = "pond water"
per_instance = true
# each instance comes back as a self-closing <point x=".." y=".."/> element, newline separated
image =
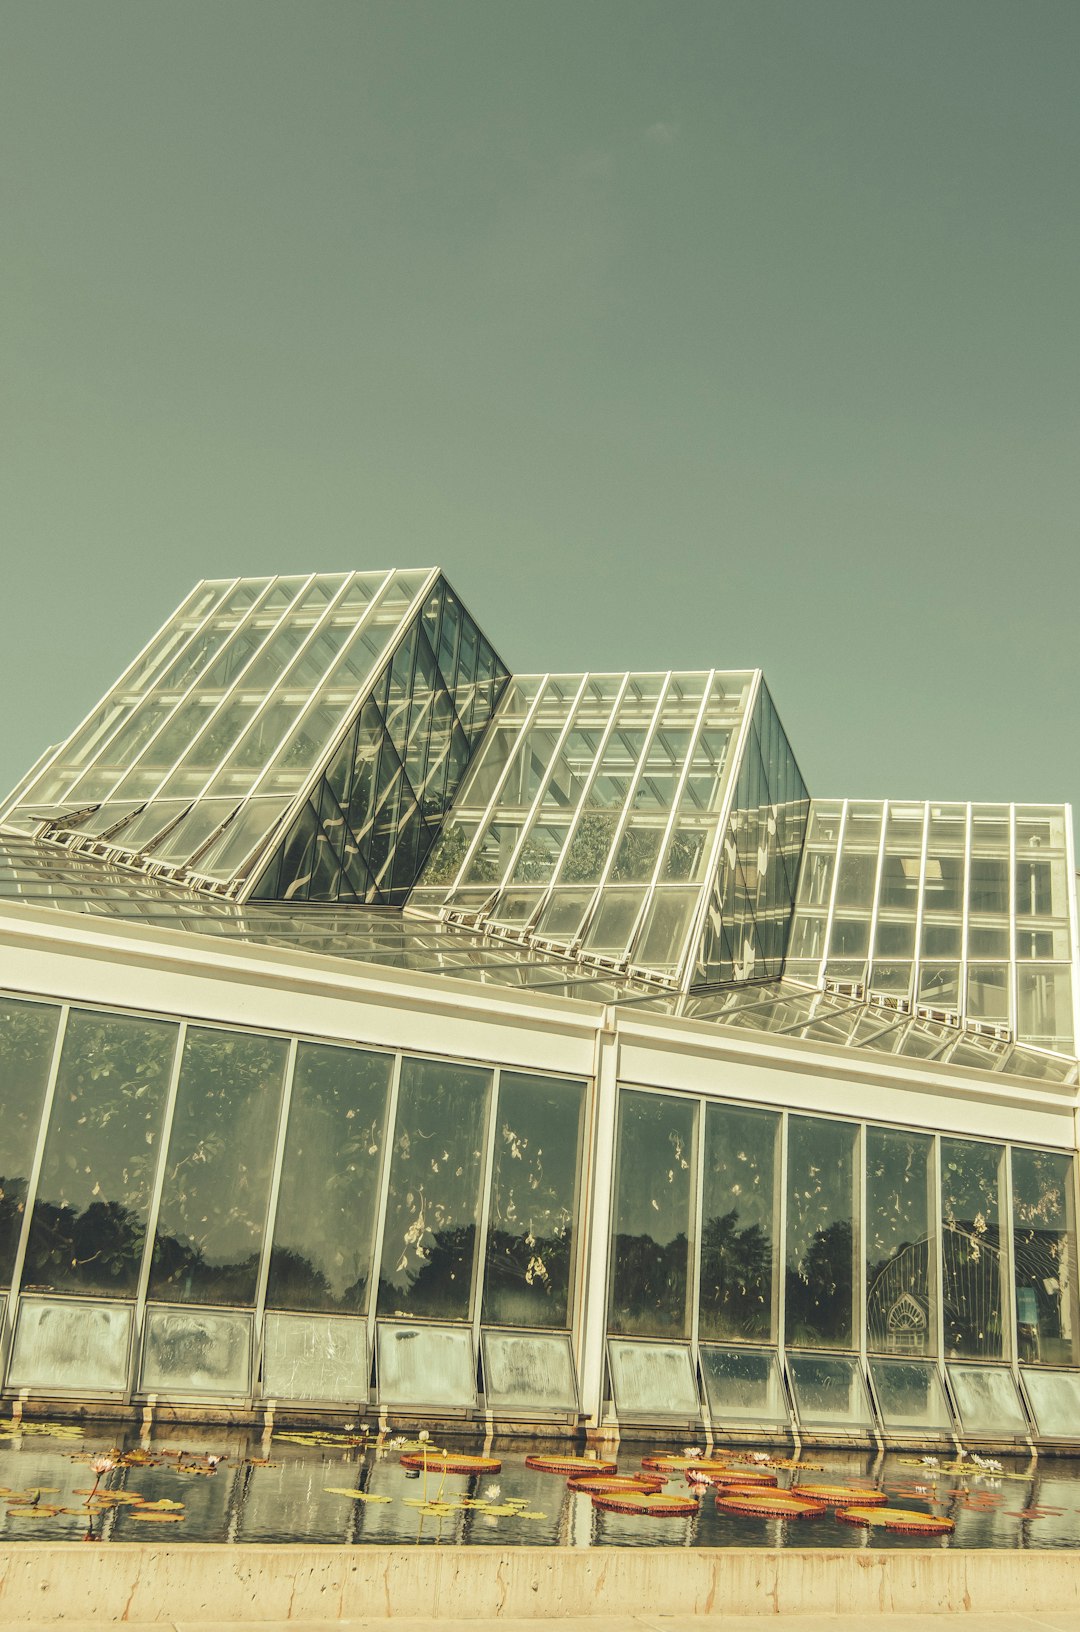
<point x="328" y="1488"/>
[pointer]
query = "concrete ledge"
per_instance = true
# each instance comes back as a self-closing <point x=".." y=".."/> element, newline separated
<point x="42" y="1582"/>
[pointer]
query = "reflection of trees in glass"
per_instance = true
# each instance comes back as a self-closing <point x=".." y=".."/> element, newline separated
<point x="217" y="1171"/>
<point x="101" y="1154"/>
<point x="898" y="1295"/>
<point x="649" y="1253"/>
<point x="1044" y="1245"/>
<point x="588" y="850"/>
<point x="820" y="1234"/>
<point x="433" y="1203"/>
<point x="27" y="1038"/>
<point x="971" y="1248"/>
<point x="738" y="1228"/>
<point x="529" y="1258"/>
<point x="328" y="1198"/>
<point x="447" y="855"/>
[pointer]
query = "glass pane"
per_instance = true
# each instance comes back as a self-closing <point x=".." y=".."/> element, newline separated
<point x="654" y="1196"/>
<point x="738" y="1230"/>
<point x="987" y="1401"/>
<point x="1044" y="1247"/>
<point x="196" y="1351"/>
<point x="971" y="1248"/>
<point x="900" y="1249"/>
<point x="1054" y="1397"/>
<point x="529" y="1261"/>
<point x="433" y="1204"/>
<point x="820" y="1233"/>
<point x="82" y="1347"/>
<point x="426" y="1365"/>
<point x="653" y="1379"/>
<point x="744" y="1388"/>
<point x="27" y="1039"/>
<point x="829" y="1392"/>
<point x="324" y="1233"/>
<point x="910" y="1396"/>
<point x="527" y="1372"/>
<point x="309" y="1357"/>
<point x="101" y="1154"/>
<point x="217" y="1173"/>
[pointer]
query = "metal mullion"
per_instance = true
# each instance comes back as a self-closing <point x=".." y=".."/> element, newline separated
<point x="385" y="878"/>
<point x="920" y="910"/>
<point x="271" y="1213"/>
<point x="245" y="619"/>
<point x="876" y="908"/>
<point x="859" y="1238"/>
<point x="939" y="1254"/>
<point x="781" y="1266"/>
<point x="381" y="1208"/>
<point x="448" y="685"/>
<point x="484" y="1220"/>
<point x="1014" y="970"/>
<point x="154" y="1210"/>
<point x="105" y="741"/>
<point x="731" y="780"/>
<point x="500" y="782"/>
<point x="833" y="893"/>
<point x="1074" y="929"/>
<point x="538" y="797"/>
<point x="579" y="809"/>
<point x="697" y="1230"/>
<point x="1009" y="1346"/>
<point x="676" y="801"/>
<point x="965" y="912"/>
<point x="35" y="1165"/>
<point x="313" y="777"/>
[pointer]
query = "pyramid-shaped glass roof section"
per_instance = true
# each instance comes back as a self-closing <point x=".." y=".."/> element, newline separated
<point x="963" y="914"/>
<point x="211" y="741"/>
<point x="593" y="817"/>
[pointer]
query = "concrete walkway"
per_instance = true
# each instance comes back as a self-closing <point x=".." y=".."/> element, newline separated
<point x="1044" y="1622"/>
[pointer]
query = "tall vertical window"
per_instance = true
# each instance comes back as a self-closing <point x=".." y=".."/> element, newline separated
<point x="433" y="1203"/>
<point x="650" y="1248"/>
<point x="328" y="1201"/>
<point x="217" y="1171"/>
<point x="971" y="1285"/>
<point x="529" y="1261"/>
<point x="900" y="1246"/>
<point x="821" y="1230"/>
<point x="738" y="1229"/>
<point x="1044" y="1249"/>
<point x="27" y="1040"/>
<point x="101" y="1154"/>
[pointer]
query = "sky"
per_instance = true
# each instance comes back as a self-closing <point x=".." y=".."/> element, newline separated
<point x="730" y="334"/>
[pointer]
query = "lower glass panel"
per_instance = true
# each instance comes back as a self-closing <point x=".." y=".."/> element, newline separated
<point x="314" y="1357"/>
<point x="84" y="1346"/>
<point x="196" y="1351"/>
<point x="987" y="1401"/>
<point x="829" y="1392"/>
<point x="910" y="1397"/>
<point x="744" y="1388"/>
<point x="529" y="1372"/>
<point x="653" y="1379"/>
<point x="422" y="1366"/>
<point x="1054" y="1397"/>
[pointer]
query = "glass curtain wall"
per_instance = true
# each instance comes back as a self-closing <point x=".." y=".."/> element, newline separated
<point x="960" y="912"/>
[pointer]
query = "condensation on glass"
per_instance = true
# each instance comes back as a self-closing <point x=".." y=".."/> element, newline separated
<point x="653" y="1379"/>
<point x="315" y="1357"/>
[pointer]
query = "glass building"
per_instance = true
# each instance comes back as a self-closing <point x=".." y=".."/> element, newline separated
<point x="385" y="1032"/>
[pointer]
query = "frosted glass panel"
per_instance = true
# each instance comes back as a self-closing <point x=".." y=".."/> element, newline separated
<point x="196" y="1351"/>
<point x="1054" y="1397"/>
<point x="987" y="1401"/>
<point x="829" y="1392"/>
<point x="653" y="1379"/>
<point x="312" y="1357"/>
<point x="524" y="1371"/>
<point x="83" y="1346"/>
<point x="910" y="1396"/>
<point x="426" y="1366"/>
<point x="744" y="1388"/>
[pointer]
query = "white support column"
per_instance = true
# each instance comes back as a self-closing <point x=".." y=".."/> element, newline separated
<point x="592" y="1328"/>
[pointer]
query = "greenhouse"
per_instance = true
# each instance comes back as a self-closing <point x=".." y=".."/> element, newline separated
<point x="388" y="1034"/>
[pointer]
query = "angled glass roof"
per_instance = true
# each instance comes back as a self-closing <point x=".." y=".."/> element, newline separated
<point x="957" y="912"/>
<point x="36" y="874"/>
<point x="592" y="815"/>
